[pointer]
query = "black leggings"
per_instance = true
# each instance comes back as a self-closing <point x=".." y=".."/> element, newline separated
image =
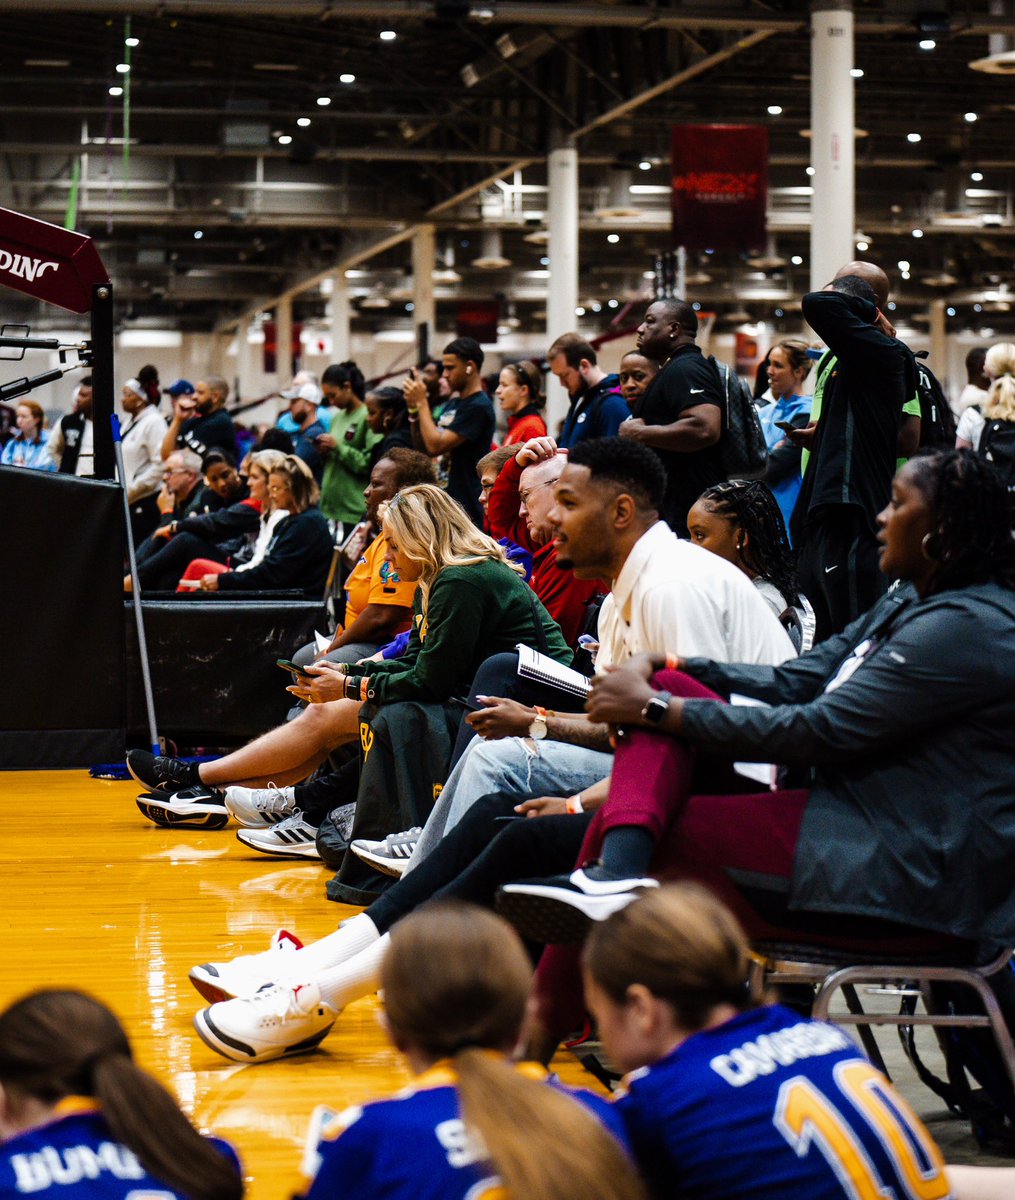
<point x="161" y="571"/>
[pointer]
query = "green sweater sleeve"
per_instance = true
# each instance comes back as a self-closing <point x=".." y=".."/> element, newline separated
<point x="355" y="455"/>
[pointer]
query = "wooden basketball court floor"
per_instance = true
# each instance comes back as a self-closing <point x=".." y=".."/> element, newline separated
<point x="96" y="897"/>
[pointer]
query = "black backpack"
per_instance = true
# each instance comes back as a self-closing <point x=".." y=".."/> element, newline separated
<point x="743" y="452"/>
<point x="997" y="446"/>
<point x="937" y="423"/>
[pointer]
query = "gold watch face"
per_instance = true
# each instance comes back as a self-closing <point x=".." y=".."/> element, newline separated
<point x="537" y="729"/>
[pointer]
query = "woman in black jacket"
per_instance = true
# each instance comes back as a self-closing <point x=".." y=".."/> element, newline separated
<point x="299" y="553"/>
<point x="900" y="726"/>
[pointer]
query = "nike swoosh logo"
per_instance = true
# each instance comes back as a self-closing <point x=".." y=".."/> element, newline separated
<point x="696" y="391"/>
<point x="827" y="569"/>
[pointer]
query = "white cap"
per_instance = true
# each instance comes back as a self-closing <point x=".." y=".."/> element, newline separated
<point x="135" y="386"/>
<point x="307" y="391"/>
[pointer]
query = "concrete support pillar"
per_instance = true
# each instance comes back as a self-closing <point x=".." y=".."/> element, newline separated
<point x="562" y="286"/>
<point x="244" y="361"/>
<point x="283" y="342"/>
<point x="424" y="306"/>
<point x="833" y="221"/>
<point x="340" y="318"/>
<point x="219" y="354"/>
<point x="938" y="338"/>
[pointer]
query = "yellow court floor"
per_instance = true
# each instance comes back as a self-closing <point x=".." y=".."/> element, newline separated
<point x="96" y="897"/>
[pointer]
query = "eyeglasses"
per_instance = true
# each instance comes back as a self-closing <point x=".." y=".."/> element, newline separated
<point x="524" y="496"/>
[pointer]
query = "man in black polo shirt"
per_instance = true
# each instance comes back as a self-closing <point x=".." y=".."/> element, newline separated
<point x="853" y="444"/>
<point x="201" y="424"/>
<point x="680" y="414"/>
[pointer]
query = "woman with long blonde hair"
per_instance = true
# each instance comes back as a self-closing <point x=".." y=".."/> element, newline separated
<point x="471" y="1124"/>
<point x="470" y="603"/>
<point x="999" y="405"/>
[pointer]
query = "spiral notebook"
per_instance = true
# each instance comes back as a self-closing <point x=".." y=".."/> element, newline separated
<point x="542" y="669"/>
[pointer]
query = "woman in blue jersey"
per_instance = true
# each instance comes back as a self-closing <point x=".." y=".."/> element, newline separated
<point x="472" y="1124"/>
<point x="788" y="366"/>
<point x="79" y="1120"/>
<point x="730" y="1098"/>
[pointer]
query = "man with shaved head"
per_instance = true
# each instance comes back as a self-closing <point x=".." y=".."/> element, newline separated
<point x="851" y="443"/>
<point x="201" y="423"/>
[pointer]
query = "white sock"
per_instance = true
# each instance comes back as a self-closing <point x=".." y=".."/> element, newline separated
<point x="357" y="977"/>
<point x="347" y="941"/>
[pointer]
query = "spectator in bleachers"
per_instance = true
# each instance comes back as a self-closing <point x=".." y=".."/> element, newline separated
<point x="455" y="987"/>
<point x="488" y="469"/>
<point x="201" y="423"/>
<point x="78" y="1116"/>
<point x="220" y="537"/>
<point x="597" y="408"/>
<point x="142" y="436"/>
<point x="72" y="442"/>
<point x="462" y="434"/>
<point x="305" y="409"/>
<point x="378" y="603"/>
<point x="741" y="522"/>
<point x="977" y="382"/>
<point x="299" y="553"/>
<point x="636" y="373"/>
<point x="999" y="402"/>
<point x="519" y="508"/>
<point x="286" y="422"/>
<point x="29" y="446"/>
<point x="346" y="447"/>
<point x="519" y="391"/>
<point x="388" y="418"/>
<point x="679" y="416"/>
<point x="788" y="367"/>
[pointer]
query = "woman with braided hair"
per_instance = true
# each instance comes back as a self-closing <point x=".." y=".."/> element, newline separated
<point x="79" y="1119"/>
<point x="741" y="522"/>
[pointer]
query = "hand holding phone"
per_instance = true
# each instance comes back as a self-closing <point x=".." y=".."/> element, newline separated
<point x="785" y="426"/>
<point x="297" y="673"/>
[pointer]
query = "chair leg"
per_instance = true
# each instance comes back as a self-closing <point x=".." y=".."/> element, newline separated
<point x="866" y="1033"/>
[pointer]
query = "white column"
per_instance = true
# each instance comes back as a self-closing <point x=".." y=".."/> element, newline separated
<point x="424" y="306"/>
<point x="562" y="286"/>
<point x="244" y="359"/>
<point x="283" y="342"/>
<point x="833" y="223"/>
<point x="340" y="313"/>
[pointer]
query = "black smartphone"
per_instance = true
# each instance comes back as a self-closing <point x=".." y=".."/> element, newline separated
<point x="464" y="702"/>
<point x="291" y="667"/>
<point x="509" y="817"/>
<point x="785" y="426"/>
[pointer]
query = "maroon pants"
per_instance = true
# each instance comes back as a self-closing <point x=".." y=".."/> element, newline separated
<point x="665" y="786"/>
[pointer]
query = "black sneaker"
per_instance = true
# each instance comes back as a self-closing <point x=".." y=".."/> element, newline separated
<point x="199" y="807"/>
<point x="561" y="909"/>
<point x="158" y="772"/>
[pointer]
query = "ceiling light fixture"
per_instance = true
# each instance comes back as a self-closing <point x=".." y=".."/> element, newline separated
<point x="613" y="238"/>
<point x="863" y="245"/>
<point x="347" y="77"/>
<point x="132" y="42"/>
<point x="951" y="311"/>
<point x="810" y="170"/>
<point x="797" y="261"/>
<point x="918" y="233"/>
<point x="198" y="234"/>
<point x="914" y="138"/>
<point x="324" y="101"/>
<point x="284" y="139"/>
<point x="976" y="176"/>
<point x="971" y="117"/>
<point x="857" y="72"/>
<point x="387" y="35"/>
<point x="903" y="264"/>
<point x="303" y="122"/>
<point x="928" y="44"/>
<point x="775" y="110"/>
<point x="644" y="165"/>
<point x="579" y="311"/>
<point x="123" y="68"/>
<point x="116" y="91"/>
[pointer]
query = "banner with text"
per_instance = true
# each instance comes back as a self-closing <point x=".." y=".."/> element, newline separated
<point x="720" y="186"/>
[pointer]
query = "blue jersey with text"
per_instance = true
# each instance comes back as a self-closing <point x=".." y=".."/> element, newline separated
<point x="775" y="1107"/>
<point x="415" y="1146"/>
<point x="75" y="1157"/>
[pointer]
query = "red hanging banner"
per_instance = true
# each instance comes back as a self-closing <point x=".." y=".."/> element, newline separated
<point x="720" y="186"/>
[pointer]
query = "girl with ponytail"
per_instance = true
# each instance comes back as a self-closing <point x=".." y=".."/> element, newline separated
<point x="76" y="1110"/>
<point x="733" y="1098"/>
<point x="456" y="983"/>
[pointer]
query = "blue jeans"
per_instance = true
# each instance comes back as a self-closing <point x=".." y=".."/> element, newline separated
<point x="512" y="767"/>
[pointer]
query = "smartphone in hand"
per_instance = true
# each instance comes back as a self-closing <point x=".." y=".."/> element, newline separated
<point x="298" y="673"/>
<point x="785" y="426"/>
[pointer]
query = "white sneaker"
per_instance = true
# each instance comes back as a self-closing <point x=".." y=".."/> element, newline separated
<point x="293" y="837"/>
<point x="279" y="1020"/>
<point x="256" y="808"/>
<point x="390" y="856"/>
<point x="246" y="975"/>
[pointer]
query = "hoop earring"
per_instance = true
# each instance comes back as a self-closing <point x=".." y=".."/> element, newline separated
<point x="925" y="543"/>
